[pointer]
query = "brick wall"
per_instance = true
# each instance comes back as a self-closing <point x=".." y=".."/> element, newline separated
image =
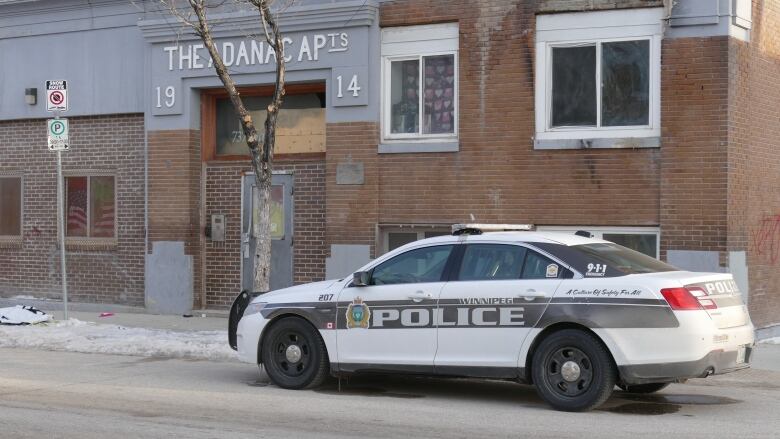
<point x="694" y="123"/>
<point x="497" y="175"/>
<point x="223" y="196"/>
<point x="754" y="159"/>
<point x="352" y="209"/>
<point x="174" y="193"/>
<point x="106" y="274"/>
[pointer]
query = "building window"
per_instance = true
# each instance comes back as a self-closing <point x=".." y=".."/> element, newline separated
<point x="597" y="82"/>
<point x="642" y="239"/>
<point x="617" y="94"/>
<point x="90" y="207"/>
<point x="420" y="83"/>
<point x="394" y="236"/>
<point x="10" y="207"/>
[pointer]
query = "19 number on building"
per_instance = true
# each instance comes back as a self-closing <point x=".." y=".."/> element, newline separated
<point x="169" y="99"/>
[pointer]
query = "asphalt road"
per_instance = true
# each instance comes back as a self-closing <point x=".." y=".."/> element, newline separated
<point x="70" y="395"/>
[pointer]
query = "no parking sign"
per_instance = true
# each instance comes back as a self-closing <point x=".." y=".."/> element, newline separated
<point x="57" y="95"/>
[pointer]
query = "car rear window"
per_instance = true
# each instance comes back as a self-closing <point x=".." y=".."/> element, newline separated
<point x="606" y="259"/>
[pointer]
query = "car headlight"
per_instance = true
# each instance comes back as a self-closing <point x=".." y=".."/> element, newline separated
<point x="254" y="308"/>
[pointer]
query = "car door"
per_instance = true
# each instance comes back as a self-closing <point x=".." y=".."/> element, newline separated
<point x="388" y="324"/>
<point x="495" y="297"/>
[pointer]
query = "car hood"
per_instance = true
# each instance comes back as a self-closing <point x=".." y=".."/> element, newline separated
<point x="284" y="293"/>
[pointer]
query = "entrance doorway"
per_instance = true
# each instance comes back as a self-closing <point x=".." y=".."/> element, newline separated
<point x="281" y="231"/>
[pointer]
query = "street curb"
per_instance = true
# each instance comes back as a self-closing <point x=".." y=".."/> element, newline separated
<point x="768" y="332"/>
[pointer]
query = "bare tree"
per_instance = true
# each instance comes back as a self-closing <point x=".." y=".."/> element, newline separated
<point x="261" y="148"/>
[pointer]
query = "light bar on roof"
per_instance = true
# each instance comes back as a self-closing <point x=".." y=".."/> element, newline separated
<point x="476" y="229"/>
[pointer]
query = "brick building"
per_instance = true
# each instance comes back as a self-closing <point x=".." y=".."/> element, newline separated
<point x="652" y="125"/>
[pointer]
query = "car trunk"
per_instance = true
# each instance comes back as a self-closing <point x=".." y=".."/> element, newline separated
<point x="730" y="309"/>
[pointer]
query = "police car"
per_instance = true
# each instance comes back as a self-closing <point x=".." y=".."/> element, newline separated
<point x="573" y="315"/>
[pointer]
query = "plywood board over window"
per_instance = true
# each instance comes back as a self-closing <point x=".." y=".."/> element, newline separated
<point x="300" y="127"/>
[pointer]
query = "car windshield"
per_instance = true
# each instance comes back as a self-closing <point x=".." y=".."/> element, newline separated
<point x="620" y="258"/>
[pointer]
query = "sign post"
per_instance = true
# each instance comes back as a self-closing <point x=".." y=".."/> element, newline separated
<point x="57" y="131"/>
<point x="61" y="232"/>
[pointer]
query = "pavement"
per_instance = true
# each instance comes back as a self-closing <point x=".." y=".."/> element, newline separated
<point x="94" y="395"/>
<point x="73" y="395"/>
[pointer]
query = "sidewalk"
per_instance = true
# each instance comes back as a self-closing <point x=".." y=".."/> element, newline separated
<point x="130" y="316"/>
<point x="150" y="321"/>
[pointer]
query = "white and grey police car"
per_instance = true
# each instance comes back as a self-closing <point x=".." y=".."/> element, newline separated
<point x="573" y="315"/>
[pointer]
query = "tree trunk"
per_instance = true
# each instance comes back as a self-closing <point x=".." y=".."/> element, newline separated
<point x="262" y="152"/>
<point x="261" y="230"/>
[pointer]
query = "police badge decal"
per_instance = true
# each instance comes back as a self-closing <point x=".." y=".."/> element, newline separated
<point x="358" y="314"/>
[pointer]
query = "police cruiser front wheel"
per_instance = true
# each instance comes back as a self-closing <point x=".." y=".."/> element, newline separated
<point x="573" y="371"/>
<point x="294" y="354"/>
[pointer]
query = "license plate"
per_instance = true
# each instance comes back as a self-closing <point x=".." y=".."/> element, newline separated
<point x="741" y="354"/>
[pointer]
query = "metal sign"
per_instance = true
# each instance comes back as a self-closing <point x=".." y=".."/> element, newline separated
<point x="57" y="130"/>
<point x="57" y="95"/>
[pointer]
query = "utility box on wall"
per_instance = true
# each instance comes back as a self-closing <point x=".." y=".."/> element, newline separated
<point x="218" y="227"/>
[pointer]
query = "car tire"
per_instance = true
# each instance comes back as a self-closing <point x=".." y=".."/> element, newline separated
<point x="573" y="371"/>
<point x="644" y="388"/>
<point x="294" y="355"/>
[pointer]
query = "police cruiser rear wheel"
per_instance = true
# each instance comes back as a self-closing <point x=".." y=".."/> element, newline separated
<point x="644" y="388"/>
<point x="294" y="354"/>
<point x="573" y="371"/>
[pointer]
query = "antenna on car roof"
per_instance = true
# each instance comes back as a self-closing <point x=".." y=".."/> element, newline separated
<point x="584" y="233"/>
<point x="478" y="229"/>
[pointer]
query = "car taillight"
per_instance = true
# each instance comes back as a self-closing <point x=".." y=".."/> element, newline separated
<point x="687" y="299"/>
<point x="701" y="295"/>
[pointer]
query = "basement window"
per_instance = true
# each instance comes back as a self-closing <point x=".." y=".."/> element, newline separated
<point x="642" y="239"/>
<point x="394" y="236"/>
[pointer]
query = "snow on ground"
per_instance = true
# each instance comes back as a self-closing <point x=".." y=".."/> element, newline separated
<point x="78" y="336"/>
<point x="775" y="340"/>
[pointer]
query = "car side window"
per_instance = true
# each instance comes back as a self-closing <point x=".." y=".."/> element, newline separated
<point x="491" y="262"/>
<point x="415" y="266"/>
<point x="541" y="267"/>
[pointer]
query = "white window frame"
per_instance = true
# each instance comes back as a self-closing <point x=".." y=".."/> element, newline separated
<point x="416" y="43"/>
<point x="589" y="28"/>
<point x="599" y="231"/>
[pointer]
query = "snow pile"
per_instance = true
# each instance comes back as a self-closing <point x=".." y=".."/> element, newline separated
<point x="78" y="336"/>
<point x="775" y="340"/>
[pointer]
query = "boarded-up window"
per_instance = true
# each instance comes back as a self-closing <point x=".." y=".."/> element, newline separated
<point x="90" y="207"/>
<point x="300" y="127"/>
<point x="10" y="206"/>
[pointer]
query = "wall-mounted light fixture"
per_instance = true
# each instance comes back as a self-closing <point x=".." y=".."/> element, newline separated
<point x="31" y="96"/>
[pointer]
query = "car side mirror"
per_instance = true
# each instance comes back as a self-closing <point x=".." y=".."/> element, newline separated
<point x="361" y="279"/>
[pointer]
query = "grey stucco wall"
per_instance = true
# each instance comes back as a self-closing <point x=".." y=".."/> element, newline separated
<point x="112" y="55"/>
<point x="101" y="57"/>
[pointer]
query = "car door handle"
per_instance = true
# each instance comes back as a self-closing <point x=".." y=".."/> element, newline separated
<point x="419" y="296"/>
<point x="531" y="294"/>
